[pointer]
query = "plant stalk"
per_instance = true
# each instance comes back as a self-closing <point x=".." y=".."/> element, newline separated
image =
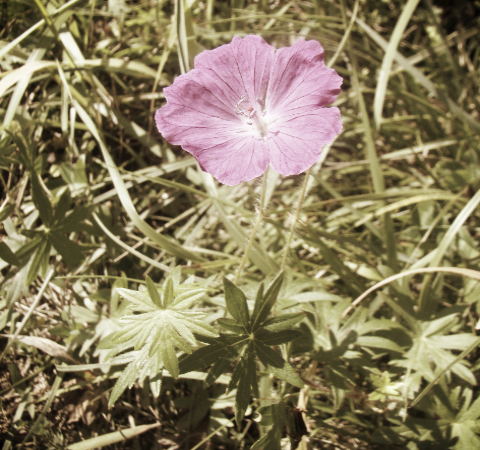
<point x="258" y="221"/>
<point x="295" y="219"/>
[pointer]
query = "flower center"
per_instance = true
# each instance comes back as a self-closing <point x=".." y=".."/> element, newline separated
<point x="253" y="114"/>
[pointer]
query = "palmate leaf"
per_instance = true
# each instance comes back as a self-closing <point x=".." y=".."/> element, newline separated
<point x="154" y="326"/>
<point x="248" y="340"/>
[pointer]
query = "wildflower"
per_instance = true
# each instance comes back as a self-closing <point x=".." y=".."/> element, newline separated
<point x="245" y="106"/>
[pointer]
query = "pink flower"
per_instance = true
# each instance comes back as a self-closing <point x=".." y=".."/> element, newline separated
<point x="246" y="105"/>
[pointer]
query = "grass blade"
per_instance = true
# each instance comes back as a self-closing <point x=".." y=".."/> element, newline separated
<point x="388" y="59"/>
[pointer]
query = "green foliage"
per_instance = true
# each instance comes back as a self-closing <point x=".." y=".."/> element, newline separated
<point x="94" y="201"/>
<point x="249" y="339"/>
<point x="157" y="322"/>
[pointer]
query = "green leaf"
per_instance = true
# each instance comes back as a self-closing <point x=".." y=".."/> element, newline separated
<point x="6" y="211"/>
<point x="277" y="337"/>
<point x="153" y="292"/>
<point x="37" y="260"/>
<point x="181" y="328"/>
<point x="8" y="256"/>
<point x="237" y="374"/>
<point x="125" y="380"/>
<point x="267" y="356"/>
<point x="252" y="369"/>
<point x="141" y="300"/>
<point x="168" y="295"/>
<point x="237" y="304"/>
<point x="170" y="359"/>
<point x="186" y="299"/>
<point x="283" y="321"/>
<point x="112" y="438"/>
<point x="202" y="328"/>
<point x="286" y="373"/>
<point x="41" y="200"/>
<point x="72" y="222"/>
<point x="62" y="207"/>
<point x="242" y="397"/>
<point x="231" y="325"/>
<point x="263" y="305"/>
<point x="156" y="384"/>
<point x="70" y="251"/>
<point x="203" y="357"/>
<point x="221" y="365"/>
<point x="120" y="337"/>
<point x="27" y="249"/>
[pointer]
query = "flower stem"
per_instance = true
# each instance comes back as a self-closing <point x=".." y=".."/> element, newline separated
<point x="255" y="227"/>
<point x="295" y="219"/>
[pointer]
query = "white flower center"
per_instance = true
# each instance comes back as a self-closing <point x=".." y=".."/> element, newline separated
<point x="254" y="115"/>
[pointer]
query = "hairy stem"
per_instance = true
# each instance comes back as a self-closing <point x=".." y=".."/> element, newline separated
<point x="258" y="220"/>
<point x="295" y="219"/>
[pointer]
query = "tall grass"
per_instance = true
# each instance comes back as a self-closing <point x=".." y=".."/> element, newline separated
<point x="94" y="199"/>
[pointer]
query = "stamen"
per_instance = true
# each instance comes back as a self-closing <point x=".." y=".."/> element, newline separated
<point x="238" y="108"/>
<point x="250" y="110"/>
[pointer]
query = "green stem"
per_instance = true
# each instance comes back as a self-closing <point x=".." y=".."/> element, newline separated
<point x="255" y="227"/>
<point x="295" y="219"/>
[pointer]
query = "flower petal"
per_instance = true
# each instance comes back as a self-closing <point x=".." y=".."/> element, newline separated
<point x="300" y="79"/>
<point x="299" y="139"/>
<point x="241" y="67"/>
<point x="233" y="160"/>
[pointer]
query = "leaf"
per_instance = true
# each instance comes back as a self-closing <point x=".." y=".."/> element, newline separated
<point x="62" y="207"/>
<point x="8" y="256"/>
<point x="170" y="359"/>
<point x="237" y="304"/>
<point x="186" y="299"/>
<point x="70" y="251"/>
<point x="263" y="305"/>
<point x="378" y="342"/>
<point x="277" y="337"/>
<point x="153" y="292"/>
<point x="182" y="329"/>
<point x="41" y="200"/>
<point x="252" y="369"/>
<point x="286" y="373"/>
<point x="206" y="356"/>
<point x="112" y="438"/>
<point x="384" y="74"/>
<point x="48" y="346"/>
<point x="236" y="375"/>
<point x="26" y="250"/>
<point x="242" y="397"/>
<point x="221" y="365"/>
<point x="156" y="384"/>
<point x="267" y="356"/>
<point x="125" y="380"/>
<point x="283" y="321"/>
<point x="168" y="295"/>
<point x="36" y="261"/>
<point x="231" y="325"/>
<point x="72" y="221"/>
<point x="141" y="300"/>
<point x="201" y="328"/>
<point x="6" y="211"/>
